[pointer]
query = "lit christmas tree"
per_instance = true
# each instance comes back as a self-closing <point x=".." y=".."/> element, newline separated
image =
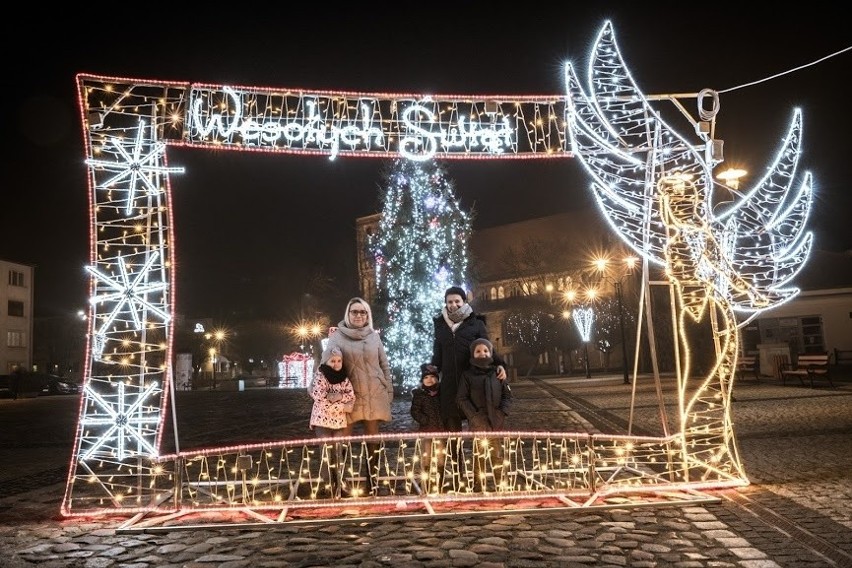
<point x="420" y="249"/>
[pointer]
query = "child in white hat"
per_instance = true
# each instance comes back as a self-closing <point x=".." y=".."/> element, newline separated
<point x="333" y="396"/>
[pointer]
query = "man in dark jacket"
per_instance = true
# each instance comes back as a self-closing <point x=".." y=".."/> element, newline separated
<point x="456" y="328"/>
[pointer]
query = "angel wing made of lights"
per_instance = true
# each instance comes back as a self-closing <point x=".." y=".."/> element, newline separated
<point x="628" y="149"/>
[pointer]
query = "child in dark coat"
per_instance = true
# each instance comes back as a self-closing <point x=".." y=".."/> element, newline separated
<point x="426" y="411"/>
<point x="485" y="402"/>
<point x="425" y="402"/>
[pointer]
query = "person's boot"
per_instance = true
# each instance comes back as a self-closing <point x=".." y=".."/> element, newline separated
<point x="339" y="487"/>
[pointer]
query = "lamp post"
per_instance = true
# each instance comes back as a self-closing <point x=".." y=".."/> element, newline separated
<point x="212" y="352"/>
<point x="731" y="177"/>
<point x="619" y="296"/>
<point x="216" y="336"/>
<point x="617" y="278"/>
<point x="306" y="332"/>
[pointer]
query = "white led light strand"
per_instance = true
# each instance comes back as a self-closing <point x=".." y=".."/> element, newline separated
<point x="134" y="166"/>
<point x="655" y="190"/>
<point x="653" y="185"/>
<point x="122" y="420"/>
<point x="583" y="319"/>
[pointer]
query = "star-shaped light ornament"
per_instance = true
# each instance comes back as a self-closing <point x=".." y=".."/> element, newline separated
<point x="142" y="159"/>
<point x="130" y="293"/>
<point x="124" y="418"/>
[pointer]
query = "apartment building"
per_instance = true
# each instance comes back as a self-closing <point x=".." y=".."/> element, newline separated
<point x="16" y="315"/>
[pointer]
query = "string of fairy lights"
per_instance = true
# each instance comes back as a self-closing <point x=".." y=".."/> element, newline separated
<point x="742" y="260"/>
<point x="655" y="189"/>
<point x="420" y="250"/>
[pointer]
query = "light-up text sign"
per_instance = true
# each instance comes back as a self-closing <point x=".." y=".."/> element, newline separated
<point x="417" y="128"/>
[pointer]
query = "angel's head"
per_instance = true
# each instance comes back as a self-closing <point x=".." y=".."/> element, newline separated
<point x="680" y="197"/>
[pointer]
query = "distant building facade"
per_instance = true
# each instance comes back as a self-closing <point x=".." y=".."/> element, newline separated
<point x="16" y="317"/>
<point x="531" y="263"/>
<point x="818" y="320"/>
<point x="539" y="259"/>
<point x="365" y="228"/>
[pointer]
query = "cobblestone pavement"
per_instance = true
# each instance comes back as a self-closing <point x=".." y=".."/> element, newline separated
<point x="795" y="442"/>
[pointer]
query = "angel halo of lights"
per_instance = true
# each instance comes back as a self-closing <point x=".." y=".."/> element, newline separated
<point x="651" y="184"/>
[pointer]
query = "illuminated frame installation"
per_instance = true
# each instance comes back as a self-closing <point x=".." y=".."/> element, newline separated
<point x="650" y="182"/>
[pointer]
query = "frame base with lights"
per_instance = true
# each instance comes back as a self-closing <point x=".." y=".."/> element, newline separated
<point x="650" y="183"/>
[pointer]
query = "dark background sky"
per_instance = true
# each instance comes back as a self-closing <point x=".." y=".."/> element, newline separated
<point x="250" y="229"/>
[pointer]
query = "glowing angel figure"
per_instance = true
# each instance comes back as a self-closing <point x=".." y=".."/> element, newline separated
<point x="655" y="189"/>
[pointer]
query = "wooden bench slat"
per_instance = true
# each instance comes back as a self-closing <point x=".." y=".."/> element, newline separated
<point x="810" y="365"/>
<point x="747" y="365"/>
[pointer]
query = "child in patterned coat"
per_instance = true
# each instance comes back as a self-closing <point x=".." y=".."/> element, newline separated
<point x="333" y="396"/>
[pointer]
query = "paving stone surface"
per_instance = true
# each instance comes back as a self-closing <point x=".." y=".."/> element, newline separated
<point x="795" y="442"/>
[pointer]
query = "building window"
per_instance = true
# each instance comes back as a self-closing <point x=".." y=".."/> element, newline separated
<point x="493" y="294"/>
<point x="500" y="293"/>
<point x="812" y="339"/>
<point x="16" y="339"/>
<point x="803" y="334"/>
<point x="751" y="338"/>
<point x="16" y="308"/>
<point x="16" y="278"/>
<point x="529" y="288"/>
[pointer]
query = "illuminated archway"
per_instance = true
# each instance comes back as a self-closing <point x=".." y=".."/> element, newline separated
<point x="633" y="157"/>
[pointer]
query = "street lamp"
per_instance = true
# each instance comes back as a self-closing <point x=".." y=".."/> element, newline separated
<point x="306" y="331"/>
<point x="217" y="336"/>
<point x="617" y="276"/>
<point x="731" y="177"/>
<point x="212" y="352"/>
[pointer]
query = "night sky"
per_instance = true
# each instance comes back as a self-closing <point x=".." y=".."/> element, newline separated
<point x="251" y="230"/>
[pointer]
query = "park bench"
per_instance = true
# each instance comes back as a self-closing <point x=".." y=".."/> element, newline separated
<point x="747" y="366"/>
<point x="810" y="366"/>
<point x="843" y="357"/>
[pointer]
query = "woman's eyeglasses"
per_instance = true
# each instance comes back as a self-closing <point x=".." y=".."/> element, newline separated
<point x="357" y="312"/>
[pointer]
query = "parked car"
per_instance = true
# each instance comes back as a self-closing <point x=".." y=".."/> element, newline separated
<point x="27" y="385"/>
<point x="51" y="384"/>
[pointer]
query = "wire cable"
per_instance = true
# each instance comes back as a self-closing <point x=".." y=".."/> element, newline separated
<point x="845" y="49"/>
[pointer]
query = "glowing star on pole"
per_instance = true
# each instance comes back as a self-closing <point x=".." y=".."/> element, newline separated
<point x="655" y="189"/>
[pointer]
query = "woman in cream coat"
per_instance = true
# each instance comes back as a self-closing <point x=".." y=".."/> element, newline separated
<point x="366" y="364"/>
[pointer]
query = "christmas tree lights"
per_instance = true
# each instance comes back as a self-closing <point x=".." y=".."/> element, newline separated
<point x="421" y="250"/>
